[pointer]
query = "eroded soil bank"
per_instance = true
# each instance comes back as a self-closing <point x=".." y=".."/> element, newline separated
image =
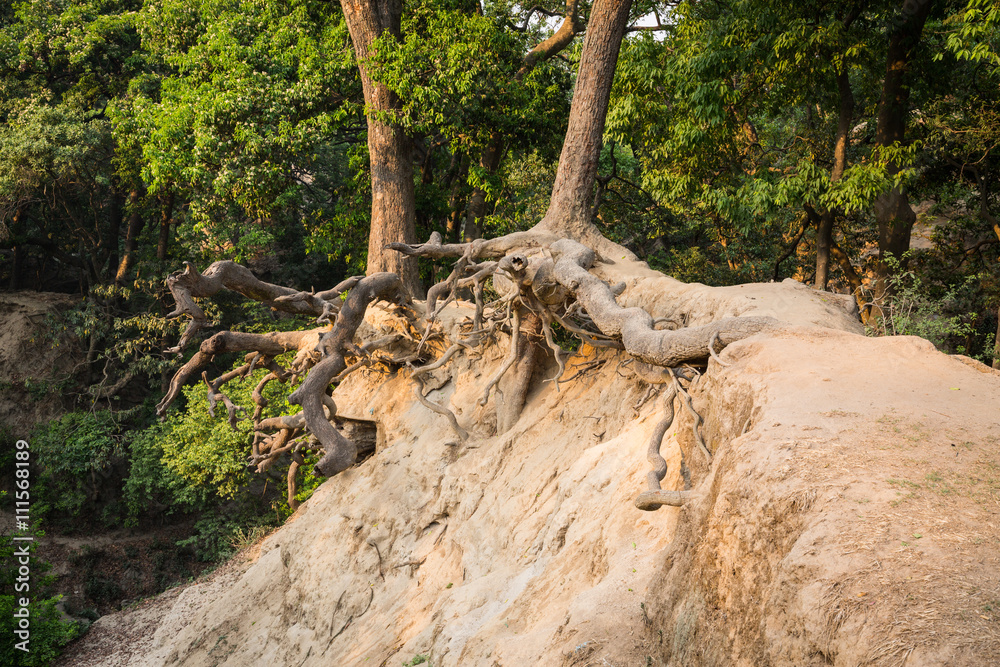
<point x="849" y="517"/>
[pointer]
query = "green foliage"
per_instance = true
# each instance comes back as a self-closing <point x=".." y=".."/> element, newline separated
<point x="204" y="450"/>
<point x="260" y="93"/>
<point x="150" y="483"/>
<point x="75" y="457"/>
<point x="911" y="308"/>
<point x="975" y="35"/>
<point x="525" y="195"/>
<point x="219" y="535"/>
<point x="194" y="462"/>
<point x="49" y="632"/>
<point x="456" y="74"/>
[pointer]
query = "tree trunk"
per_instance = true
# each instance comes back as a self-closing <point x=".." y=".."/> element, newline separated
<point x="114" y="231"/>
<point x="824" y="230"/>
<point x="17" y="262"/>
<point x="489" y="161"/>
<point x="166" y="217"/>
<point x="390" y="150"/>
<point x="135" y="224"/>
<point x="456" y="203"/>
<point x="569" y="210"/>
<point x="893" y="214"/>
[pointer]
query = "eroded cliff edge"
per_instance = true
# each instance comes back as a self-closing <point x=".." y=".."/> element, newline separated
<point x="849" y="517"/>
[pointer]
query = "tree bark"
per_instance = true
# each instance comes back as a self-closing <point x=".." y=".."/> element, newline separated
<point x="166" y="217"/>
<point x="135" y="224"/>
<point x="824" y="230"/>
<point x="569" y="210"/>
<point x="390" y="150"/>
<point x="114" y="231"/>
<point x="893" y="214"/>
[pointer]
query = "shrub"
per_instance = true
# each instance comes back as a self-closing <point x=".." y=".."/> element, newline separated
<point x="911" y="307"/>
<point x="75" y="456"/>
<point x="49" y="632"/>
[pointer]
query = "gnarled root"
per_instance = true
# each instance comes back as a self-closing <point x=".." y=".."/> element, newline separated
<point x="656" y="497"/>
<point x="187" y="284"/>
<point x="654" y="500"/>
<point x="513" y="388"/>
<point x="418" y="379"/>
<point x="543" y="279"/>
<point x="340" y="453"/>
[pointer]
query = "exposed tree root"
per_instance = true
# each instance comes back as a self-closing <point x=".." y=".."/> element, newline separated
<point x="417" y="377"/>
<point x="513" y="389"/>
<point x="543" y="280"/>
<point x="653" y="500"/>
<point x="686" y="399"/>
<point x="188" y="284"/>
<point x="340" y="453"/>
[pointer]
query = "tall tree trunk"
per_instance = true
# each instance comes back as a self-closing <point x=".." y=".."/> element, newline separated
<point x="390" y="150"/>
<point x="824" y="231"/>
<point x="893" y="214"/>
<point x="489" y="161"/>
<point x="166" y="217"/>
<point x="17" y="262"/>
<point x="135" y="224"/>
<point x="569" y="210"/>
<point x="571" y="26"/>
<point x="114" y="231"/>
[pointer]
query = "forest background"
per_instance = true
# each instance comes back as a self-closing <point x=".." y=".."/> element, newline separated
<point x="746" y="140"/>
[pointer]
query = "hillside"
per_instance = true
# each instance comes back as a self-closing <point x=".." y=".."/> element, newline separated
<point x="849" y="516"/>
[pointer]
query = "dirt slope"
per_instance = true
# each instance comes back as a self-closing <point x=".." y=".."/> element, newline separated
<point x="849" y="517"/>
<point x="36" y="356"/>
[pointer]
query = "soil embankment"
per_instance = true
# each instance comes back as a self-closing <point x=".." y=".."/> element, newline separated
<point x="37" y="359"/>
<point x="850" y="516"/>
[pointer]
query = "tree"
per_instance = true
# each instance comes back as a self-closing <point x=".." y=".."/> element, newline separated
<point x="390" y="150"/>
<point x="543" y="274"/>
<point x="60" y="63"/>
<point x="757" y="119"/>
<point x="892" y="210"/>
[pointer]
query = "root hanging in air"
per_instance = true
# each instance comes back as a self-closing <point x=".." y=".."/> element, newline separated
<point x="542" y="280"/>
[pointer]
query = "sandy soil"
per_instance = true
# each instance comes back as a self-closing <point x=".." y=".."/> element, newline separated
<point x="849" y="517"/>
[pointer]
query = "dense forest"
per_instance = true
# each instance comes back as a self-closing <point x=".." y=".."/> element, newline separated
<point x="852" y="146"/>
